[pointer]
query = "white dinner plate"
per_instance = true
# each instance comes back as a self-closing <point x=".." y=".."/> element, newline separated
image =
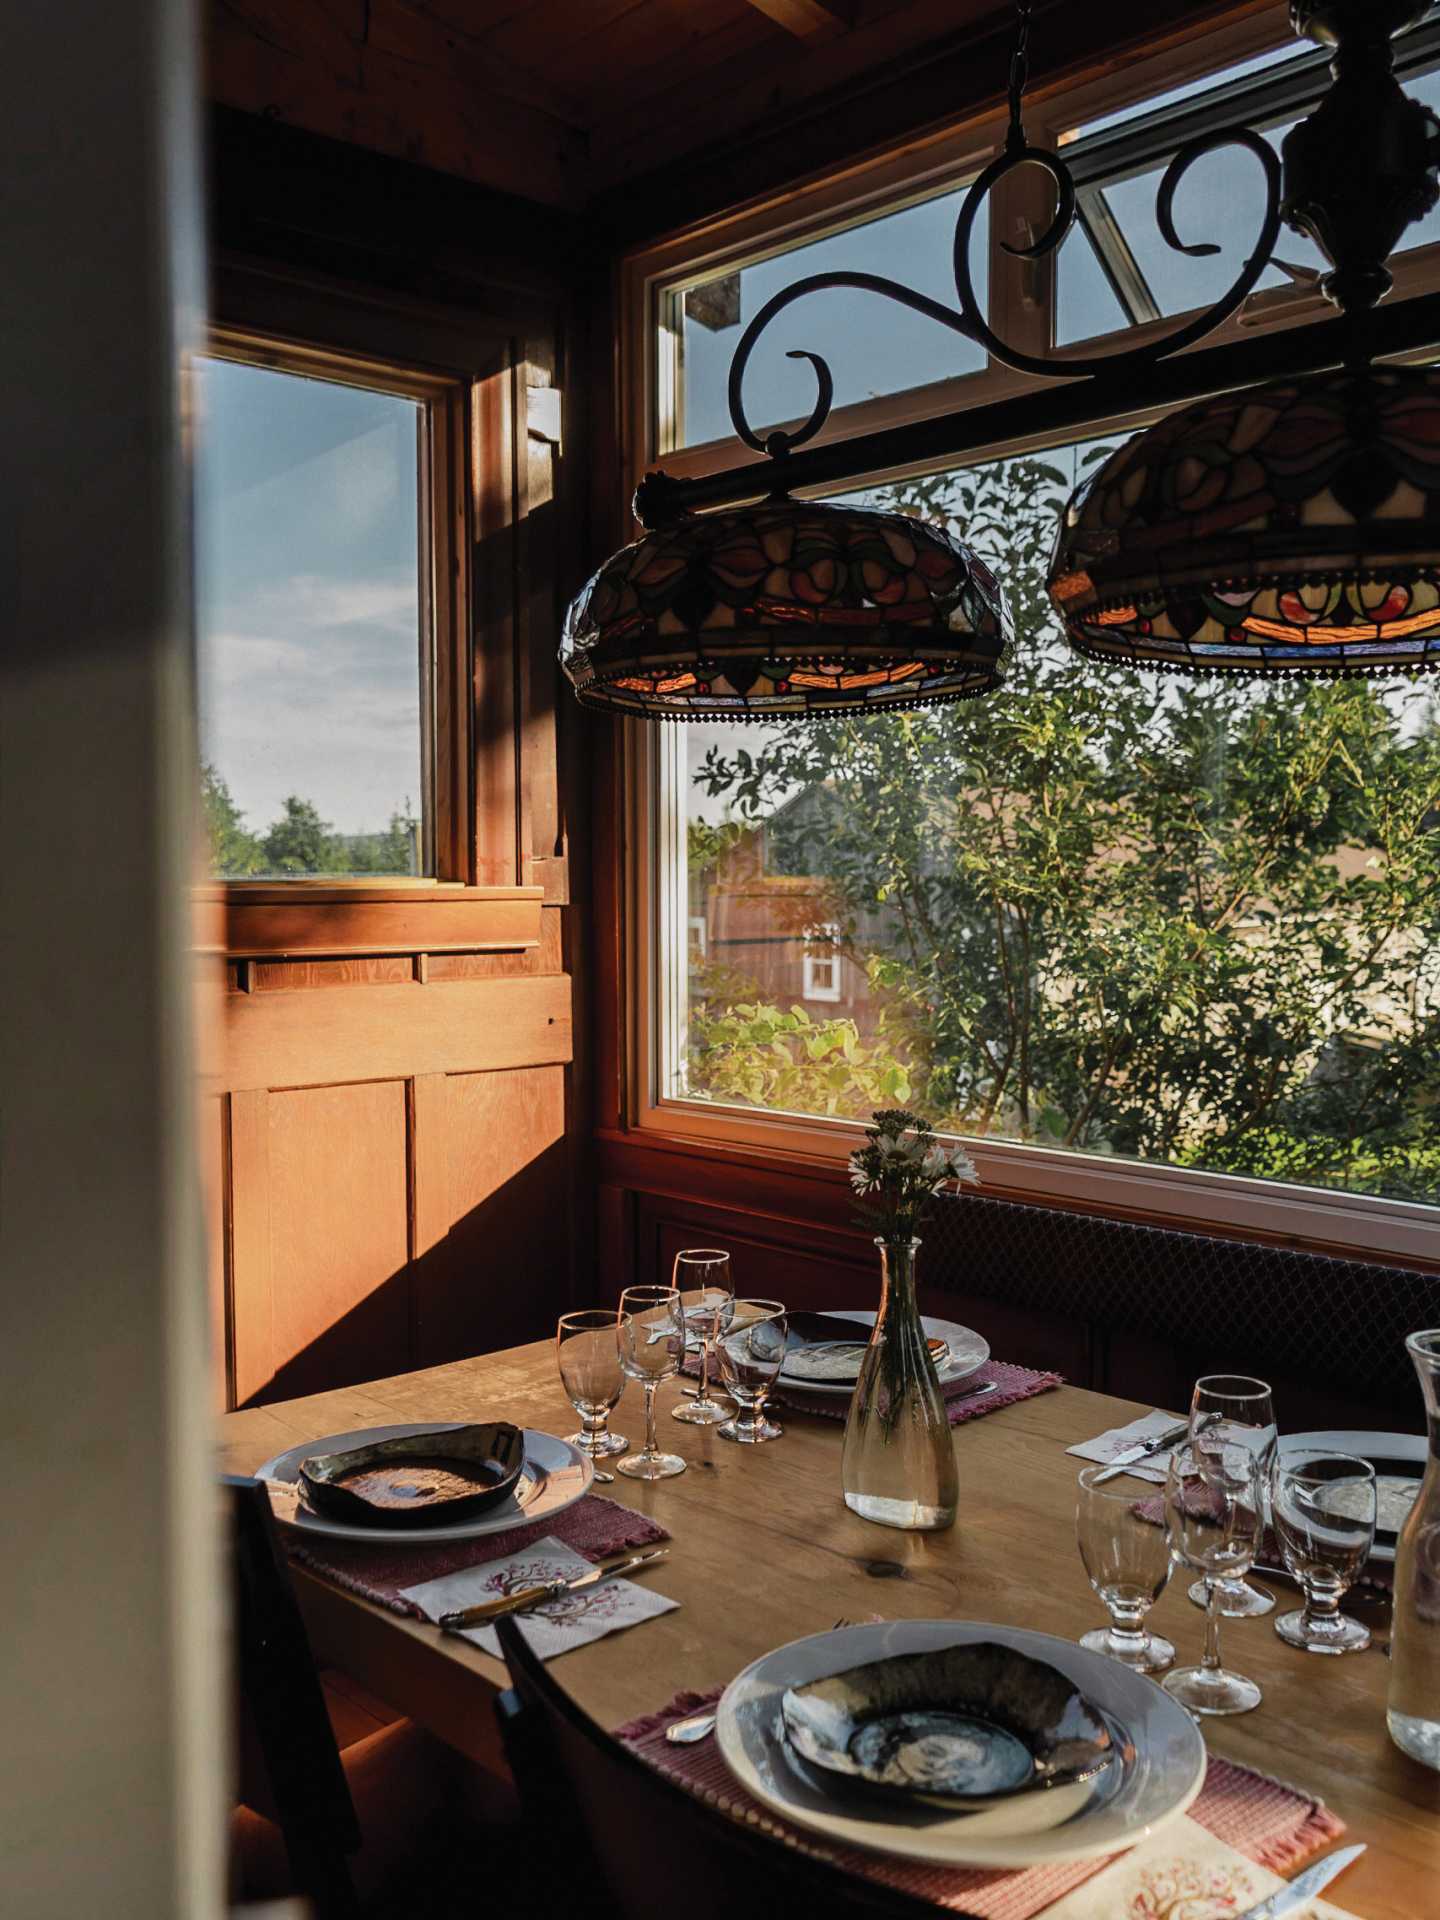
<point x="968" y="1353"/>
<point x="1386" y="1452"/>
<point x="555" y="1475"/>
<point x="1162" y="1753"/>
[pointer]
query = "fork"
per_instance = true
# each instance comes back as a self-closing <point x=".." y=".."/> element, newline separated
<point x="699" y="1726"/>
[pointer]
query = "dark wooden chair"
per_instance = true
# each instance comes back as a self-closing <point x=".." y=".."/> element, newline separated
<point x="382" y="1828"/>
<point x="610" y="1825"/>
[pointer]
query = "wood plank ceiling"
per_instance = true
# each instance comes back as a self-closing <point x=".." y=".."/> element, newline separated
<point x="562" y="100"/>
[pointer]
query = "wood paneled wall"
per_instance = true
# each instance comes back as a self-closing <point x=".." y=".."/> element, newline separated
<point x="394" y="1163"/>
<point x="400" y="1119"/>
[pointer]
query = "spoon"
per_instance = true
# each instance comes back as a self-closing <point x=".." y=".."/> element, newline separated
<point x="685" y="1733"/>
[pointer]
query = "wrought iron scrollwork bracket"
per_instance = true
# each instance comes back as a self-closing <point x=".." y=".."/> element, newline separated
<point x="966" y="317"/>
<point x="1353" y="196"/>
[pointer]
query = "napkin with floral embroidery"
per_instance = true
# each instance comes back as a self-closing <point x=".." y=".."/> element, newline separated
<point x="555" y="1626"/>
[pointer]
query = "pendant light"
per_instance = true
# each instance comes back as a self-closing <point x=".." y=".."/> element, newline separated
<point x="1291" y="528"/>
<point x="1288" y="527"/>
<point x="786" y="609"/>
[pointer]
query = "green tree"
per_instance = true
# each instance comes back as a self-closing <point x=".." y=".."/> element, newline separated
<point x="234" y="851"/>
<point x="395" y="851"/>
<point x="301" y="842"/>
<point x="1190" y="921"/>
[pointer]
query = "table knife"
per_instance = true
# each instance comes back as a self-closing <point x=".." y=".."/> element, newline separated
<point x="528" y="1597"/>
<point x="1305" y="1886"/>
<point x="1157" y="1444"/>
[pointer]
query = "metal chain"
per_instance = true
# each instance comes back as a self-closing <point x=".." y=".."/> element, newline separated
<point x="1019" y="72"/>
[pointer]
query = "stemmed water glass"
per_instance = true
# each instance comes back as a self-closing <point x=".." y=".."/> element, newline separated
<point x="588" y="1352"/>
<point x="1128" y="1562"/>
<point x="751" y="1351"/>
<point x="1213" y="1517"/>
<point x="1234" y="1407"/>
<point x="1323" y="1509"/>
<point x="652" y="1345"/>
<point x="702" y="1279"/>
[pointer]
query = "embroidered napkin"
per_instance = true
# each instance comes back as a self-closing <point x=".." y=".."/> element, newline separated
<point x="595" y="1527"/>
<point x="1115" y="1440"/>
<point x="1245" y="1822"/>
<point x="555" y="1626"/>
<point x="1183" y="1871"/>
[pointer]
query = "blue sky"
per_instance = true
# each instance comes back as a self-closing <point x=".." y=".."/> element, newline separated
<point x="307" y="569"/>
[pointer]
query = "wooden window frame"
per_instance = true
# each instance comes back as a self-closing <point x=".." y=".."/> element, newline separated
<point x="471" y="486"/>
<point x="638" y="1112"/>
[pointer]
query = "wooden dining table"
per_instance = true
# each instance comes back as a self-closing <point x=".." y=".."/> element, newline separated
<point x="764" y="1551"/>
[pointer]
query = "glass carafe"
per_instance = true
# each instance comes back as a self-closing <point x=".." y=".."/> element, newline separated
<point x="1414" y="1706"/>
<point x="898" y="1466"/>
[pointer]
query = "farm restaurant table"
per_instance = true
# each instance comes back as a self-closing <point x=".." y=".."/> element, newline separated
<point x="764" y="1551"/>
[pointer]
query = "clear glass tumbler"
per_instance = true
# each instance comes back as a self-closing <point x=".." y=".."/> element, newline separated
<point x="588" y="1353"/>
<point x="1237" y="1408"/>
<point x="751" y="1351"/>
<point x="702" y="1279"/>
<point x="1322" y="1507"/>
<point x="652" y="1345"/>
<point x="1128" y="1562"/>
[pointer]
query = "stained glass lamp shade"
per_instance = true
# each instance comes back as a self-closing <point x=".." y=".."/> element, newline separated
<point x="785" y="609"/>
<point x="1290" y="528"/>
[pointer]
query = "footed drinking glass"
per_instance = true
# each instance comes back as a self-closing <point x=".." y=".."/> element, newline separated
<point x="1323" y="1509"/>
<point x="1236" y="1407"/>
<point x="752" y="1352"/>
<point x="1128" y="1562"/>
<point x="652" y="1345"/>
<point x="587" y="1350"/>
<point x="1213" y="1504"/>
<point x="701" y="1276"/>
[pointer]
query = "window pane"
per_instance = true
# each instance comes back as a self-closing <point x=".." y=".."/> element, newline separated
<point x="873" y="346"/>
<point x="1187" y="922"/>
<point x="308" y="559"/>
<point x="1220" y="201"/>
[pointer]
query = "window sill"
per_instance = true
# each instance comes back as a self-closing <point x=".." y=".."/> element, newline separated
<point x="766" y="1157"/>
<point x="278" y="920"/>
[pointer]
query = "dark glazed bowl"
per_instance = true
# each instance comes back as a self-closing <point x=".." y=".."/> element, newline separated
<point x="962" y="1727"/>
<point x="420" y="1479"/>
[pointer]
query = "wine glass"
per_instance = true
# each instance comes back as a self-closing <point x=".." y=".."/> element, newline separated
<point x="751" y="1351"/>
<point x="588" y="1352"/>
<point x="652" y="1345"/>
<point x="1238" y="1408"/>
<point x="1213" y="1499"/>
<point x="1323" y="1509"/>
<point x="702" y="1279"/>
<point x="1128" y="1562"/>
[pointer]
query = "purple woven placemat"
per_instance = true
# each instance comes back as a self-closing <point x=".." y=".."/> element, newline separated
<point x="1274" y="1825"/>
<point x="962" y="1403"/>
<point x="594" y="1527"/>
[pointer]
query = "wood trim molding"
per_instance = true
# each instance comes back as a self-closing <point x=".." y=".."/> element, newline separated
<point x="279" y="922"/>
<point x="300" y="1039"/>
<point x="806" y="1191"/>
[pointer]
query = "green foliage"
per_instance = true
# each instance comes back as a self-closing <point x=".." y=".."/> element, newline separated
<point x="300" y="842"/>
<point x="793" y="1063"/>
<point x="707" y="845"/>
<point x="234" y="853"/>
<point x="1186" y="921"/>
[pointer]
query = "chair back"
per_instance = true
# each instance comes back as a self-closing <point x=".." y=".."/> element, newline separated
<point x="611" y="1825"/>
<point x="282" y="1710"/>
